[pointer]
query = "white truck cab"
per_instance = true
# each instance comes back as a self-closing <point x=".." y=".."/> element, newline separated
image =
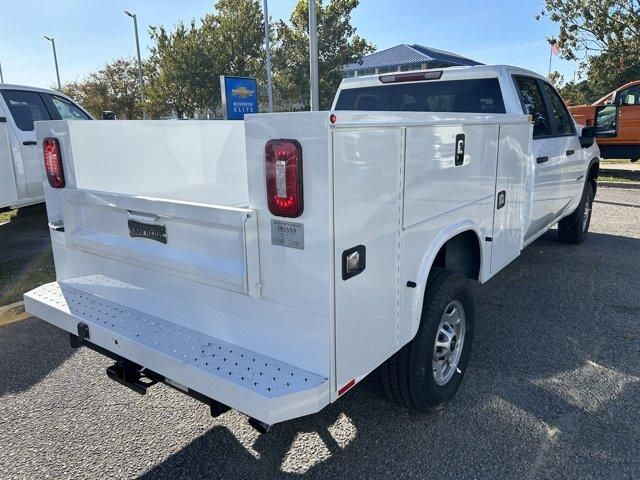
<point x="270" y="265"/>
<point x="21" y="165"/>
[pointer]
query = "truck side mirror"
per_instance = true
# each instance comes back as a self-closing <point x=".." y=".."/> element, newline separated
<point x="108" y="115"/>
<point x="587" y="137"/>
<point x="606" y="121"/>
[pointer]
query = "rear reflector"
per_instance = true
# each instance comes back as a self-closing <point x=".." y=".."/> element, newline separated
<point x="284" y="177"/>
<point x="411" y="77"/>
<point x="347" y="387"/>
<point x="53" y="162"/>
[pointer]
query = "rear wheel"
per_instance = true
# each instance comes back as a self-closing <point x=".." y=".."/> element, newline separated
<point x="574" y="228"/>
<point x="427" y="372"/>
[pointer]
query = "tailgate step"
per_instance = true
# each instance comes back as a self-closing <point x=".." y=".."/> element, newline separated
<point x="106" y="319"/>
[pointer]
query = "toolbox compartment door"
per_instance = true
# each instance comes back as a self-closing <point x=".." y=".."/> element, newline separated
<point x="367" y="199"/>
<point x="509" y="205"/>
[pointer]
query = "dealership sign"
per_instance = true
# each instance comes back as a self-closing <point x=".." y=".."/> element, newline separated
<point x="239" y="96"/>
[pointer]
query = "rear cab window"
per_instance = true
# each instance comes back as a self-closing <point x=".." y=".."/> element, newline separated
<point x="629" y="96"/>
<point x="455" y="96"/>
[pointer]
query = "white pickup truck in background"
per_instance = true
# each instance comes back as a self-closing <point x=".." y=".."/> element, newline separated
<point x="20" y="156"/>
<point x="269" y="265"/>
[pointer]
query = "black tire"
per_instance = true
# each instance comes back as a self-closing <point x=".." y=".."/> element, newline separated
<point x="407" y="378"/>
<point x="573" y="229"/>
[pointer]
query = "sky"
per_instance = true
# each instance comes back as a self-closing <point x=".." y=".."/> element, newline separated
<point x="91" y="33"/>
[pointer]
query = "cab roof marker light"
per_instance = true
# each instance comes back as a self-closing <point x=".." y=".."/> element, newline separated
<point x="411" y="77"/>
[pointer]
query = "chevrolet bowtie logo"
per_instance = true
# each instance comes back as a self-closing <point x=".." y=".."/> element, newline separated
<point x="242" y="92"/>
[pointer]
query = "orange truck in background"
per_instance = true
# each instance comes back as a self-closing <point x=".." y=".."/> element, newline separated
<point x="617" y="120"/>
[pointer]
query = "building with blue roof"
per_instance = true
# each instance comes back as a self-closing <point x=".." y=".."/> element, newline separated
<point x="404" y="58"/>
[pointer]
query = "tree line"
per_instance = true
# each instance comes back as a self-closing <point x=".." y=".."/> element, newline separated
<point x="181" y="73"/>
<point x="604" y="36"/>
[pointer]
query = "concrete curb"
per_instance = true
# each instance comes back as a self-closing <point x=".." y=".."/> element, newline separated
<point x="633" y="185"/>
<point x="12" y="313"/>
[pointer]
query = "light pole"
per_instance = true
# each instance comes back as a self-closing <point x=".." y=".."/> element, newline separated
<point x="1" y="77"/>
<point x="313" y="57"/>
<point x="135" y="27"/>
<point x="55" y="59"/>
<point x="268" y="57"/>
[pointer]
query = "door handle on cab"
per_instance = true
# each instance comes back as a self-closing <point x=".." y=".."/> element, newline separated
<point x="30" y="142"/>
<point x="570" y="152"/>
<point x="542" y="159"/>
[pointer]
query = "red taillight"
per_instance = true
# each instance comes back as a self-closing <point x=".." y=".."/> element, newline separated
<point x="284" y="177"/>
<point x="53" y="162"/>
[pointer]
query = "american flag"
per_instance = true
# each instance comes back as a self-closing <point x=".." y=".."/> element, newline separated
<point x="555" y="48"/>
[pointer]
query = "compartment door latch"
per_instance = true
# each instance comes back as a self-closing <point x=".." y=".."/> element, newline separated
<point x="354" y="261"/>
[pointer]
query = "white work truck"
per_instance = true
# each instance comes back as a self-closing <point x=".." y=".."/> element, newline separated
<point x="20" y="156"/>
<point x="269" y="265"/>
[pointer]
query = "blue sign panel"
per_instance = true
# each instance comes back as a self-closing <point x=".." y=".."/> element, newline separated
<point x="240" y="96"/>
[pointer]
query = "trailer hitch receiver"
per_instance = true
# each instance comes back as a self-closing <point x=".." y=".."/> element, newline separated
<point x="132" y="376"/>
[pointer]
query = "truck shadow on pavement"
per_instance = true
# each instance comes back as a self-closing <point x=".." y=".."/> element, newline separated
<point x="552" y="390"/>
<point x="29" y="350"/>
<point x="26" y="234"/>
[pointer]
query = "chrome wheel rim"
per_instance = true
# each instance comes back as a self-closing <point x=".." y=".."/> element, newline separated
<point x="585" y="215"/>
<point x="449" y="343"/>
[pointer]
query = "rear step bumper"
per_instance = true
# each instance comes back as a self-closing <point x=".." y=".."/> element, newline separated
<point x="261" y="387"/>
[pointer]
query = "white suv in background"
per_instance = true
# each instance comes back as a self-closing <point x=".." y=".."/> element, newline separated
<point x="20" y="157"/>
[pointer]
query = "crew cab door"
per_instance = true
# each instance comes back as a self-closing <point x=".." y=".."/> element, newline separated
<point x="8" y="193"/>
<point x="564" y="134"/>
<point x="25" y="107"/>
<point x="549" y="153"/>
<point x="628" y="116"/>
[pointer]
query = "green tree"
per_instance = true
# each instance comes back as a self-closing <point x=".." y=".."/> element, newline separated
<point x="184" y="66"/>
<point x="114" y="87"/>
<point x="188" y="61"/>
<point x="604" y="35"/>
<point x="338" y="45"/>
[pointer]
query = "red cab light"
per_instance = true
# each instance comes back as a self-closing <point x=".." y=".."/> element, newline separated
<point x="53" y="162"/>
<point x="284" y="177"/>
<point x="411" y="77"/>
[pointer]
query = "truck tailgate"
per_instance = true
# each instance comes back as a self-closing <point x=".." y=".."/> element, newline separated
<point x="216" y="245"/>
<point x="255" y="384"/>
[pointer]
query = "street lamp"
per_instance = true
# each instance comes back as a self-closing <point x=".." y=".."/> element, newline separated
<point x="55" y="59"/>
<point x="1" y="77"/>
<point x="268" y="57"/>
<point x="135" y="27"/>
<point x="313" y="57"/>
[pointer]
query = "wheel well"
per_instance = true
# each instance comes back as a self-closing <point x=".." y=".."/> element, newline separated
<point x="461" y="253"/>
<point x="594" y="172"/>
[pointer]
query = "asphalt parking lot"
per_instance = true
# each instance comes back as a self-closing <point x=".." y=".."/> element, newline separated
<point x="552" y="391"/>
